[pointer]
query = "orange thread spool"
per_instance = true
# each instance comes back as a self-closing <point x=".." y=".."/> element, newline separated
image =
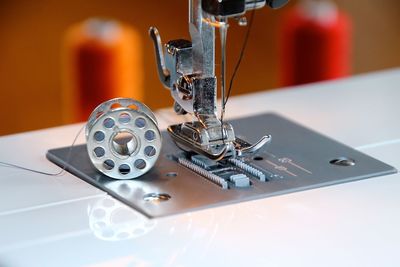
<point x="102" y="60"/>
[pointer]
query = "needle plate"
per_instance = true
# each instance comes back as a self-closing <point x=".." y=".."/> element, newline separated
<point x="297" y="159"/>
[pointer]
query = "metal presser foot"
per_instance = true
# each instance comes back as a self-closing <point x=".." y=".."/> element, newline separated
<point x="192" y="137"/>
<point x="188" y="71"/>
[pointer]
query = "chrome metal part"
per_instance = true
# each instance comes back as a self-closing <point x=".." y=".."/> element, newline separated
<point x="223" y="32"/>
<point x="191" y="138"/>
<point x="163" y="72"/>
<point x="204" y="162"/>
<point x="254" y="4"/>
<point x="248" y="168"/>
<point x="244" y="148"/>
<point x="242" y="21"/>
<point x="232" y="174"/>
<point x="187" y="69"/>
<point x="229" y="8"/>
<point x="203" y="172"/>
<point x="123" y="139"/>
<point x="240" y="180"/>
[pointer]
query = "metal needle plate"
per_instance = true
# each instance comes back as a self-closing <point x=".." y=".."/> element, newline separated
<point x="297" y="159"/>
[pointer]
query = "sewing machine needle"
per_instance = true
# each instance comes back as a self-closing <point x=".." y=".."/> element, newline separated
<point x="223" y="30"/>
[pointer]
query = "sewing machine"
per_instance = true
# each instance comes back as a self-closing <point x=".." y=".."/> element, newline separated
<point x="65" y="221"/>
<point x="223" y="158"/>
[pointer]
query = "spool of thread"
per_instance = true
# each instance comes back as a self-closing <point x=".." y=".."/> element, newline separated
<point x="102" y="60"/>
<point x="315" y="43"/>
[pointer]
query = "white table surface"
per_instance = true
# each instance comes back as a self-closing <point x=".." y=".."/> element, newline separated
<point x="51" y="221"/>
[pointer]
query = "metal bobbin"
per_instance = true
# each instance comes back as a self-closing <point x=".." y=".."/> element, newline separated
<point x="123" y="139"/>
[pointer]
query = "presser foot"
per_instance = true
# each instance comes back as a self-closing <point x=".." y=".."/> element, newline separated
<point x="191" y="139"/>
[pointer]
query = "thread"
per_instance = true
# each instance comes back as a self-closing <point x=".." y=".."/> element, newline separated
<point x="242" y="51"/>
<point x="61" y="172"/>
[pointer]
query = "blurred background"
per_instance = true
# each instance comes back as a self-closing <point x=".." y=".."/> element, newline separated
<point x="51" y="63"/>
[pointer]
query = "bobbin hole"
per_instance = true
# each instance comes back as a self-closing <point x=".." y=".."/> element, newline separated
<point x="99" y="136"/>
<point x="116" y="105"/>
<point x="99" y="114"/>
<point x="150" y="151"/>
<point x="140" y="164"/>
<point x="133" y="107"/>
<point x="150" y="135"/>
<point x="140" y="122"/>
<point x="99" y="152"/>
<point x="124" y="143"/>
<point x="108" y="164"/>
<point x="124" y="169"/>
<point x="124" y="118"/>
<point x="108" y="123"/>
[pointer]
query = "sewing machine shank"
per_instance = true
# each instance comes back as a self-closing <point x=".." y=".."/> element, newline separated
<point x="188" y="71"/>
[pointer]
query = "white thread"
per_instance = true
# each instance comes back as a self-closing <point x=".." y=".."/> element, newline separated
<point x="15" y="166"/>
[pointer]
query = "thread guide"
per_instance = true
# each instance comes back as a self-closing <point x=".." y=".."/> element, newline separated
<point x="297" y="159"/>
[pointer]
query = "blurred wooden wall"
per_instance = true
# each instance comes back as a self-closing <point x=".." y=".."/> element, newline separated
<point x="31" y="34"/>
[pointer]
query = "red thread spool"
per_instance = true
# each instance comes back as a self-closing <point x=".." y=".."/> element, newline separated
<point x="315" y="43"/>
